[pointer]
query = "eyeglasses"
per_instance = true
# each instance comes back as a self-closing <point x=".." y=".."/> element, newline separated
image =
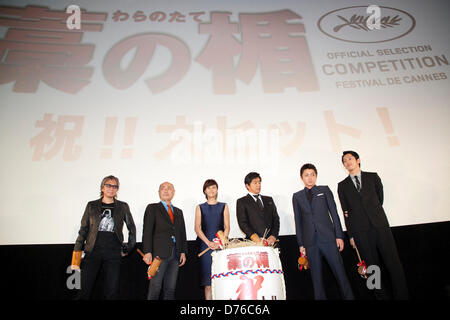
<point x="114" y="186"/>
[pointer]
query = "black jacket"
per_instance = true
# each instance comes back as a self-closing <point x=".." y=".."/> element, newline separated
<point x="252" y="220"/>
<point x="365" y="208"/>
<point x="91" y="220"/>
<point x="159" y="230"/>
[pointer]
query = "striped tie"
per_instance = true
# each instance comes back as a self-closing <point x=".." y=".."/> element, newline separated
<point x="358" y="184"/>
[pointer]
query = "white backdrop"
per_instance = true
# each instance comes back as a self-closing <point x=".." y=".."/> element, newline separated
<point x="183" y="91"/>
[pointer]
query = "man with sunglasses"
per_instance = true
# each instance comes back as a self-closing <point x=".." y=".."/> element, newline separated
<point x="101" y="238"/>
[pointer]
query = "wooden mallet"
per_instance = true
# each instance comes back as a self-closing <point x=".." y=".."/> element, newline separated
<point x="362" y="269"/>
<point x="153" y="268"/>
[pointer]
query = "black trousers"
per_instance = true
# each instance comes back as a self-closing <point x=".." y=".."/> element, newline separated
<point x="376" y="243"/>
<point x="106" y="257"/>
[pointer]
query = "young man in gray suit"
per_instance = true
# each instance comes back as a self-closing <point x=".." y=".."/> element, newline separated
<point x="319" y="232"/>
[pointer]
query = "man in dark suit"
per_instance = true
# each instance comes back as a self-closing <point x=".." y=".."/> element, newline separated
<point x="164" y="235"/>
<point x="319" y="232"/>
<point x="256" y="213"/>
<point x="361" y="196"/>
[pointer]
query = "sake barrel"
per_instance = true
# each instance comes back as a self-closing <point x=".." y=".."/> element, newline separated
<point x="247" y="273"/>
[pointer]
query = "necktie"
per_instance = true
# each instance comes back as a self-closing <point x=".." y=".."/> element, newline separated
<point x="358" y="184"/>
<point x="259" y="202"/>
<point x="170" y="212"/>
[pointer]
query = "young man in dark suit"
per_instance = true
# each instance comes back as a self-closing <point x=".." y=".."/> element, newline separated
<point x="256" y="213"/>
<point x="164" y="235"/>
<point x="319" y="232"/>
<point x="361" y="196"/>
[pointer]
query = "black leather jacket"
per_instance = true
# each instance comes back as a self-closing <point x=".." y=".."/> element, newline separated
<point x="91" y="220"/>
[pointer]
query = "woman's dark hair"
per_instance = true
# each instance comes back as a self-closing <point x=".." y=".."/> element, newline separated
<point x="307" y="166"/>
<point x="209" y="183"/>
<point x="249" y="177"/>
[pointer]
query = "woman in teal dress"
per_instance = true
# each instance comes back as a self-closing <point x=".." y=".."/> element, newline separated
<point x="210" y="217"/>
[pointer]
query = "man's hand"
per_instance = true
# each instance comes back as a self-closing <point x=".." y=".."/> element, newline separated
<point x="147" y="258"/>
<point x="302" y="250"/>
<point x="182" y="260"/>
<point x="340" y="244"/>
<point x="271" y="240"/>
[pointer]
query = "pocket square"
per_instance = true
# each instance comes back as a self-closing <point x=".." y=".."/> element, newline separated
<point x="320" y="194"/>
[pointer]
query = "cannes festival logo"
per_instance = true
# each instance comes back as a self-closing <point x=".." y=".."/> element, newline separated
<point x="354" y="24"/>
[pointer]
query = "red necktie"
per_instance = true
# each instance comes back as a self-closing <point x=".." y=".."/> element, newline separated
<point x="170" y="212"/>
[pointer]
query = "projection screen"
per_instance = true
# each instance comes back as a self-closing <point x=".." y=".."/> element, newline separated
<point x="183" y="91"/>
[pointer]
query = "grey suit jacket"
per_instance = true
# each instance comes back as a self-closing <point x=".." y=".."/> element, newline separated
<point x="318" y="216"/>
